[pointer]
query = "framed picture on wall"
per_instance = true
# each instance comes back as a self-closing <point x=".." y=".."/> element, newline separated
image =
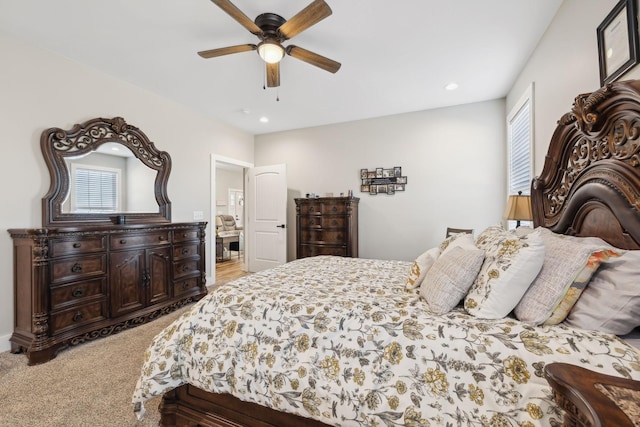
<point x="618" y="41"/>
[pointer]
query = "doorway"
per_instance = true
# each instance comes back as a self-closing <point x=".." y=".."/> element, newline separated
<point x="227" y="198"/>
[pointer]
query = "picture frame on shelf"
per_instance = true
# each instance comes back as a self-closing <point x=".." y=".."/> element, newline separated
<point x="618" y="49"/>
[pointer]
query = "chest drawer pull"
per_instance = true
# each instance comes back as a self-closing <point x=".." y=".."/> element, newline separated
<point x="77" y="268"/>
<point x="76" y="245"/>
<point x="185" y="268"/>
<point x="162" y="238"/>
<point x="123" y="242"/>
<point x="77" y="292"/>
<point x="77" y="317"/>
<point x="185" y="251"/>
<point x="185" y="285"/>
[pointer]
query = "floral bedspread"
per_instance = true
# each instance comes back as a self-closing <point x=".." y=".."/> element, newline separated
<point x="340" y="340"/>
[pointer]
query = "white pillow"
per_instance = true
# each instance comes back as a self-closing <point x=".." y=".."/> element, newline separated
<point x="450" y="277"/>
<point x="510" y="265"/>
<point x="420" y="266"/>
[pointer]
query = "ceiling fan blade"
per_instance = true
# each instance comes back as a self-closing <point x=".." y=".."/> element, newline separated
<point x="227" y="50"/>
<point x="273" y="74"/>
<point x="310" y="15"/>
<point x="233" y="11"/>
<point x="313" y="58"/>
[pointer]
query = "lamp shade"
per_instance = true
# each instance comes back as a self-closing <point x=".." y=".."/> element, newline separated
<point x="270" y="51"/>
<point x="518" y="208"/>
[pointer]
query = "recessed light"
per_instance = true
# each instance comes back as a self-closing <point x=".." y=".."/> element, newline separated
<point x="451" y="86"/>
<point x="264" y="119"/>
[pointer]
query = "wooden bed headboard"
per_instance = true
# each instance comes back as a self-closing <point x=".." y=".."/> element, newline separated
<point x="590" y="183"/>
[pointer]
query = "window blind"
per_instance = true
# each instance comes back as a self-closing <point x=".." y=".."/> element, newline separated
<point x="519" y="125"/>
<point x="96" y="190"/>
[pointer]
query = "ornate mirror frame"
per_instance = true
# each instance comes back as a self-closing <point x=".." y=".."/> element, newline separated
<point x="58" y="144"/>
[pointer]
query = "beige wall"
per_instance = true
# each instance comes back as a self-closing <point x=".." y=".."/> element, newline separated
<point x="564" y="64"/>
<point x="454" y="162"/>
<point x="41" y="90"/>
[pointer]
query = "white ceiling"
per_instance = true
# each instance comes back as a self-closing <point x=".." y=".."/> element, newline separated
<point x="396" y="56"/>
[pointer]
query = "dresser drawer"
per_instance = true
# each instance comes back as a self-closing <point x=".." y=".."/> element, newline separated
<point x="74" y="293"/>
<point x="127" y="241"/>
<point x="186" y="286"/>
<point x="186" y="251"/>
<point x="184" y="235"/>
<point x="78" y="268"/>
<point x="185" y="268"/>
<point x="78" y="316"/>
<point x="326" y="208"/>
<point x="58" y="248"/>
<point x="322" y="221"/>
<point x="313" y="250"/>
<point x="322" y="236"/>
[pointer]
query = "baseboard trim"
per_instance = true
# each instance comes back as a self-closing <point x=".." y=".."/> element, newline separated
<point x="5" y="344"/>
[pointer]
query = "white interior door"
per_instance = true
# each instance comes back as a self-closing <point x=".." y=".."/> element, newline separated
<point x="266" y="217"/>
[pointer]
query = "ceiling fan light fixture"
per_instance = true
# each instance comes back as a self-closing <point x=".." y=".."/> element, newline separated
<point x="270" y="51"/>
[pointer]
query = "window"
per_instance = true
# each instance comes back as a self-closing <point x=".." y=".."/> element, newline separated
<point x="94" y="189"/>
<point x="520" y="145"/>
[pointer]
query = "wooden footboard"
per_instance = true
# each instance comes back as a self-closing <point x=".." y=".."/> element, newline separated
<point x="188" y="406"/>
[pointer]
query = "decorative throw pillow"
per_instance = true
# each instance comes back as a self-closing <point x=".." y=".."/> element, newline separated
<point x="510" y="265"/>
<point x="462" y="240"/>
<point x="450" y="277"/>
<point x="611" y="302"/>
<point x="566" y="257"/>
<point x="420" y="266"/>
<point x="579" y="284"/>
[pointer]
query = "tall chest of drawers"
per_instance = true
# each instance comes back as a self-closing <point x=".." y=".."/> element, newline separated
<point x="77" y="284"/>
<point x="327" y="226"/>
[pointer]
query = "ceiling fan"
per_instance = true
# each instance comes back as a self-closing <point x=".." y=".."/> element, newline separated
<point x="273" y="30"/>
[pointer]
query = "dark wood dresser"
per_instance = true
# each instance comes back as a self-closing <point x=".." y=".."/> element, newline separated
<point x="327" y="226"/>
<point x="77" y="284"/>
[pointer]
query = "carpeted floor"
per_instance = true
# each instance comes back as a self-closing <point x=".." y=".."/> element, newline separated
<point x="87" y="385"/>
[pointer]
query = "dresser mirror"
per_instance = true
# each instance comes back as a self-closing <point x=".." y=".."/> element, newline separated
<point x="104" y="171"/>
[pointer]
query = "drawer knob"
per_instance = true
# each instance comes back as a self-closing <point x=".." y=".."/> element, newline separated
<point x="78" y="316"/>
<point x="185" y="285"/>
<point x="334" y="208"/>
<point x="76" y="245"/>
<point x="185" y="268"/>
<point x="123" y="242"/>
<point x="77" y="268"/>
<point x="77" y="292"/>
<point x="162" y="238"/>
<point x="311" y="209"/>
<point x="185" y="251"/>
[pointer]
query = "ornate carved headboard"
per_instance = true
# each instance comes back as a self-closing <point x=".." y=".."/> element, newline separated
<point x="590" y="183"/>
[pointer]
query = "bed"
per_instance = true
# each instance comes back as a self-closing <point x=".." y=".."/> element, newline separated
<point x="460" y="336"/>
